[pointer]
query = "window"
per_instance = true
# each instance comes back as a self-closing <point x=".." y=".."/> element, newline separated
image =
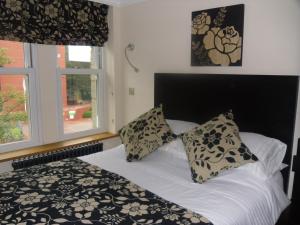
<point x="80" y="79"/>
<point x="49" y="93"/>
<point x="16" y="96"/>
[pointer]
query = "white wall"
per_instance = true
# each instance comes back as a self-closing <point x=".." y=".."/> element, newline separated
<point x="114" y="76"/>
<point x="5" y="167"/>
<point x="161" y="32"/>
<point x="111" y="143"/>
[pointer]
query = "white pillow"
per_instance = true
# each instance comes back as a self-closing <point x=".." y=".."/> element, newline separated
<point x="180" y="126"/>
<point x="258" y="169"/>
<point x="269" y="151"/>
<point x="176" y="148"/>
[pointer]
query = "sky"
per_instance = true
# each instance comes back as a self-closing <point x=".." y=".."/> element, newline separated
<point x="80" y="53"/>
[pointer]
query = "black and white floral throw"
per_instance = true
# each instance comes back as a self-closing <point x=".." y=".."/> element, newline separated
<point x="74" y="192"/>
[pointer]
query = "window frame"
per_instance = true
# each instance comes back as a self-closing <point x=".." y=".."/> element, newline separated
<point x="42" y="67"/>
<point x="34" y="118"/>
<point x="101" y="96"/>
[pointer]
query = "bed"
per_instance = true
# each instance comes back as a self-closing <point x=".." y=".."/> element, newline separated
<point x="229" y="199"/>
<point x="105" y="189"/>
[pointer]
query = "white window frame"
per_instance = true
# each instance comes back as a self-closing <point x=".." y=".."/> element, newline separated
<point x="102" y="126"/>
<point x="30" y="71"/>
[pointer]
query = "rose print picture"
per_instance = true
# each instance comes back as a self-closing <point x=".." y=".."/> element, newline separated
<point x="217" y="36"/>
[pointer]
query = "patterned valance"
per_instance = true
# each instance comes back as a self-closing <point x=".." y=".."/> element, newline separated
<point x="58" y="22"/>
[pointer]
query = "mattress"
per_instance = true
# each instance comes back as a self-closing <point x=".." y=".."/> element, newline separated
<point x="235" y="197"/>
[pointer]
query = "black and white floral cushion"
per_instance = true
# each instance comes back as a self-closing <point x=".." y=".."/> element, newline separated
<point x="145" y="134"/>
<point x="215" y="146"/>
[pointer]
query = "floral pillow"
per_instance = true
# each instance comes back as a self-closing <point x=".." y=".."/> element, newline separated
<point x="145" y="134"/>
<point x="215" y="146"/>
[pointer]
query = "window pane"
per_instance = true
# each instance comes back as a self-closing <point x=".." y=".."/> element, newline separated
<point x="12" y="54"/>
<point x="79" y="98"/>
<point x="14" y="115"/>
<point x="78" y="57"/>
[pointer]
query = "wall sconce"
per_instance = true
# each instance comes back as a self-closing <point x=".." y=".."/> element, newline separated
<point x="130" y="47"/>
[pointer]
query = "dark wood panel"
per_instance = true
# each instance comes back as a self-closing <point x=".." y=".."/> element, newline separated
<point x="261" y="104"/>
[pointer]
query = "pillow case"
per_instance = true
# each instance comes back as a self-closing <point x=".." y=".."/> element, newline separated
<point x="176" y="148"/>
<point x="269" y="151"/>
<point x="257" y="144"/>
<point x="180" y="126"/>
<point x="215" y="146"/>
<point x="145" y="134"/>
<point x="258" y="169"/>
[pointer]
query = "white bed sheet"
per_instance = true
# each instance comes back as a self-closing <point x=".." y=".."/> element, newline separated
<point x="235" y="197"/>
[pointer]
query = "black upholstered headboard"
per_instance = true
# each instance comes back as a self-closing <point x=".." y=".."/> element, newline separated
<point x="262" y="104"/>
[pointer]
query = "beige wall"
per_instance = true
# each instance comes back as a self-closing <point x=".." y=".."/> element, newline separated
<point x="113" y="67"/>
<point x="160" y="30"/>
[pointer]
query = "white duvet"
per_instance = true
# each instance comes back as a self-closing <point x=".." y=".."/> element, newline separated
<point x="235" y="197"/>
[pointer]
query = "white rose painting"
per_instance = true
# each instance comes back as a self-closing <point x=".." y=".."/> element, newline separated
<point x="217" y="36"/>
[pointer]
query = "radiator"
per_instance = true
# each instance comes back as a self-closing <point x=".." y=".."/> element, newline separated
<point x="68" y="152"/>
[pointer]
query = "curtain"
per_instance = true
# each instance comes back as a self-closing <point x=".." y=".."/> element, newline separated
<point x="57" y="22"/>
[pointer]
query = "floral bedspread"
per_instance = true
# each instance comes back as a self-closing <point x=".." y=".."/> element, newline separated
<point x="74" y="192"/>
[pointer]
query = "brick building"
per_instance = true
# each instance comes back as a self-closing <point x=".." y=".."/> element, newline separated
<point x="15" y="52"/>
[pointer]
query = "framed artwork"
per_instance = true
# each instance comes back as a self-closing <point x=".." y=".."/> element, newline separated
<point x="217" y="36"/>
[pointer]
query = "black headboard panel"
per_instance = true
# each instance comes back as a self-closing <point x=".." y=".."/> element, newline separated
<point x="261" y="104"/>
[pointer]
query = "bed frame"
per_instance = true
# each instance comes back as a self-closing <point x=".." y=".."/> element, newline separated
<point x="261" y="104"/>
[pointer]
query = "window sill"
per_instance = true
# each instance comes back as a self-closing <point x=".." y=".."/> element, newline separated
<point x="6" y="156"/>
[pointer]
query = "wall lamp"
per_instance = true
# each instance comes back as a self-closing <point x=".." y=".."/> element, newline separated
<point x="130" y="47"/>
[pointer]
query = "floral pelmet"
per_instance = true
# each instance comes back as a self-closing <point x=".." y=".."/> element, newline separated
<point x="57" y="22"/>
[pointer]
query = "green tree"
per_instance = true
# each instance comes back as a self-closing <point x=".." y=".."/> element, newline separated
<point x="4" y="59"/>
<point x="78" y="86"/>
<point x="78" y="89"/>
<point x="11" y="101"/>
